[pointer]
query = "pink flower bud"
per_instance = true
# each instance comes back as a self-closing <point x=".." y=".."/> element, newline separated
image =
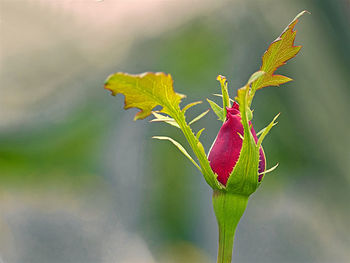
<point x="226" y="149"/>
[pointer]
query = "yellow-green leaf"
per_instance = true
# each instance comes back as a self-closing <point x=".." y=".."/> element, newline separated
<point x="200" y="116"/>
<point x="255" y="76"/>
<point x="166" y="119"/>
<point x="266" y="130"/>
<point x="278" y="53"/>
<point x="145" y="91"/>
<point x="190" y="105"/>
<point x="269" y="170"/>
<point x="217" y="110"/>
<point x="225" y="97"/>
<point x="199" y="133"/>
<point x="180" y="147"/>
<point x="220" y="95"/>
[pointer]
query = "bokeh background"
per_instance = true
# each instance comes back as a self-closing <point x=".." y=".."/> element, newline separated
<point x="81" y="182"/>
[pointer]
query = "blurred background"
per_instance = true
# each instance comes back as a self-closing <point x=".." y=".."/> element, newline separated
<point x="80" y="181"/>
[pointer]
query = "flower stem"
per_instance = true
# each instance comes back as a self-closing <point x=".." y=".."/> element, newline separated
<point x="195" y="144"/>
<point x="228" y="209"/>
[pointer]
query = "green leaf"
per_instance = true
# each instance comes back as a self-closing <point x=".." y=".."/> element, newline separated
<point x="200" y="116"/>
<point x="145" y="91"/>
<point x="255" y="76"/>
<point x="190" y="105"/>
<point x="162" y="118"/>
<point x="260" y="132"/>
<point x="148" y="90"/>
<point x="269" y="170"/>
<point x="199" y="133"/>
<point x="180" y="147"/>
<point x="220" y="95"/>
<point x="225" y="97"/>
<point x="266" y="130"/>
<point x="217" y="110"/>
<point x="240" y="136"/>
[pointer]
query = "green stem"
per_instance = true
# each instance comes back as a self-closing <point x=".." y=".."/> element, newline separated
<point x="228" y="209"/>
<point x="196" y="147"/>
<point x="226" y="238"/>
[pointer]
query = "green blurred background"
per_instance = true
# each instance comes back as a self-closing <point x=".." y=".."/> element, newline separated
<point x="81" y="182"/>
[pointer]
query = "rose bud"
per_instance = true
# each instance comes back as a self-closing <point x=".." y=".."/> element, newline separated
<point x="227" y="147"/>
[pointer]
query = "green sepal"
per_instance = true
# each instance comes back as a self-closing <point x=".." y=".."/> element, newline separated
<point x="220" y="95"/>
<point x="269" y="170"/>
<point x="244" y="177"/>
<point x="266" y="130"/>
<point x="249" y="114"/>
<point x="225" y="97"/>
<point x="217" y="110"/>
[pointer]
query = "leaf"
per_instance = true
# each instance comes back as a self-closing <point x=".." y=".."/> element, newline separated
<point x="260" y="132"/>
<point x="148" y="90"/>
<point x="220" y="95"/>
<point x="180" y="147"/>
<point x="278" y="53"/>
<point x="269" y="170"/>
<point x="217" y="110"/>
<point x="255" y="76"/>
<point x="266" y="130"/>
<point x="190" y="105"/>
<point x="199" y="133"/>
<point x="200" y="116"/>
<point x="145" y="91"/>
<point x="166" y="119"/>
<point x="225" y="97"/>
<point x="240" y="136"/>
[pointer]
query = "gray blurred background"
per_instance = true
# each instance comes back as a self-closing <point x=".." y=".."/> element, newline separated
<point x="81" y="182"/>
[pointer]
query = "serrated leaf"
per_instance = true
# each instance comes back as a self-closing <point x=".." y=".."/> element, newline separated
<point x="166" y="119"/>
<point x="190" y="105"/>
<point x="200" y="116"/>
<point x="145" y="91"/>
<point x="217" y="110"/>
<point x="278" y="53"/>
<point x="180" y="147"/>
